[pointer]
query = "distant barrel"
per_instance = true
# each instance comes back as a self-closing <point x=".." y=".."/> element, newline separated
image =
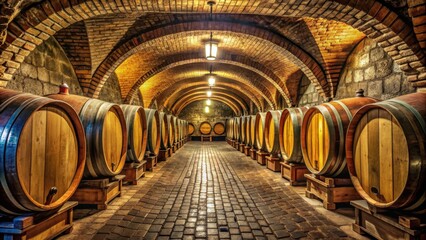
<point x="205" y="128"/>
<point x="219" y="128"/>
<point x="272" y="125"/>
<point x="289" y="134"/>
<point x="191" y="129"/>
<point x="237" y="122"/>
<point x="137" y="132"/>
<point x="164" y="131"/>
<point x="252" y="126"/>
<point x="106" y="133"/>
<point x="42" y="153"/>
<point x="153" y="120"/>
<point x="171" y="135"/>
<point x="260" y="129"/>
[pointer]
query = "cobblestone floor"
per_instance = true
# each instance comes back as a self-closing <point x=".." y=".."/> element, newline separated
<point x="210" y="190"/>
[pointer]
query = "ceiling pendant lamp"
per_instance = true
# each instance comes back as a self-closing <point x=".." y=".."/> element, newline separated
<point x="208" y="102"/>
<point x="209" y="93"/>
<point x="211" y="46"/>
<point x="211" y="78"/>
<point x="207" y="109"/>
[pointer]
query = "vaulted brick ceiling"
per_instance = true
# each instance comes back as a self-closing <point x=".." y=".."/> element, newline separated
<point x="265" y="48"/>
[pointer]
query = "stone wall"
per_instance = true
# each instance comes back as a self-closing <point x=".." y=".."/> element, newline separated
<point x="110" y="91"/>
<point x="194" y="113"/>
<point x="44" y="70"/>
<point x="368" y="67"/>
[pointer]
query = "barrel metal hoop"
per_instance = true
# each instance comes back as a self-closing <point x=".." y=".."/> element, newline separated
<point x="414" y="111"/>
<point x="350" y="117"/>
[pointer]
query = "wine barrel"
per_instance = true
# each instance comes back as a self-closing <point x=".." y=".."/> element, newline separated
<point x="205" y="128"/>
<point x="272" y="126"/>
<point x="386" y="153"/>
<point x="154" y="128"/>
<point x="137" y="132"/>
<point x="229" y="128"/>
<point x="237" y="122"/>
<point x="289" y="134"/>
<point x="164" y="131"/>
<point x="248" y="141"/>
<point x="105" y="131"/>
<point x="42" y="153"/>
<point x="252" y="126"/>
<point x="323" y="135"/>
<point x="171" y="134"/>
<point x="191" y="128"/>
<point x="259" y="129"/>
<point x="243" y="124"/>
<point x="219" y="128"/>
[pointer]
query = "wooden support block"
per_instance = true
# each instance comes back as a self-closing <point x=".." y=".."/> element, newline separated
<point x="39" y="225"/>
<point x="169" y="152"/>
<point x="174" y="148"/>
<point x="162" y="155"/>
<point x="151" y="161"/>
<point x="247" y="150"/>
<point x="273" y="163"/>
<point x="237" y="145"/>
<point x="241" y="148"/>
<point x="261" y="157"/>
<point x="253" y="154"/>
<point x="294" y="173"/>
<point x="99" y="196"/>
<point x="386" y="225"/>
<point x="134" y="171"/>
<point x="330" y="190"/>
<point x="207" y="138"/>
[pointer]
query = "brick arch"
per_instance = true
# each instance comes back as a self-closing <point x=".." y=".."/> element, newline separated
<point x="197" y="72"/>
<point x="217" y="92"/>
<point x="226" y="58"/>
<point x="38" y="23"/>
<point x="183" y="103"/>
<point x="164" y="97"/>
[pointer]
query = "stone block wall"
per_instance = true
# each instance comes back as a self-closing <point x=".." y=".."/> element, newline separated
<point x="308" y="95"/>
<point x="110" y="92"/>
<point x="44" y="70"/>
<point x="194" y="113"/>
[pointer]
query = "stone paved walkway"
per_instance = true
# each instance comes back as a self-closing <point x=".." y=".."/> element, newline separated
<point x="207" y="190"/>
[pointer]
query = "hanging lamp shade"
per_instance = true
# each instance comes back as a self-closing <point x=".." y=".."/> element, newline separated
<point x="212" y="81"/>
<point x="211" y="50"/>
<point x="208" y="102"/>
<point x="209" y="93"/>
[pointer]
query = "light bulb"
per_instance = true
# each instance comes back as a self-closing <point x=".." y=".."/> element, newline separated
<point x="207" y="109"/>
<point x="209" y="93"/>
<point x="208" y="102"/>
<point x="212" y="81"/>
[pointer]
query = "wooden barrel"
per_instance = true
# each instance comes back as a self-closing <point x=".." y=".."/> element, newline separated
<point x="272" y="126"/>
<point x="176" y="127"/>
<point x="105" y="131"/>
<point x="171" y="135"/>
<point x="191" y="129"/>
<point x="259" y="126"/>
<point x="229" y="128"/>
<point x="137" y="132"/>
<point x="247" y="131"/>
<point x="289" y="134"/>
<point x="386" y="153"/>
<point x="164" y="131"/>
<point x="219" y="128"/>
<point x="243" y="124"/>
<point x="42" y="152"/>
<point x="252" y="126"/>
<point x="237" y="121"/>
<point x="205" y="128"/>
<point x="154" y="134"/>
<point x="323" y="135"/>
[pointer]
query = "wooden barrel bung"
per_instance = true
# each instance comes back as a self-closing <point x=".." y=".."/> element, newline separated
<point x="272" y="121"/>
<point x="137" y="132"/>
<point x="191" y="129"/>
<point x="259" y="129"/>
<point x="386" y="152"/>
<point x="164" y="131"/>
<point x="171" y="135"/>
<point x="323" y="135"/>
<point x="219" y="128"/>
<point x="289" y="134"/>
<point x="105" y="131"/>
<point x="42" y="151"/>
<point x="205" y="128"/>
<point x="153" y="120"/>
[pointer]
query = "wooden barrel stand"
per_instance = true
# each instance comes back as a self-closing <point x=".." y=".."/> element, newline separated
<point x="206" y="138"/>
<point x="151" y="162"/>
<point x="133" y="171"/>
<point x="273" y="163"/>
<point x="40" y="225"/>
<point x="99" y="192"/>
<point x="247" y="150"/>
<point x="330" y="190"/>
<point x="294" y="173"/>
<point x="388" y="224"/>
<point x="253" y="153"/>
<point x="163" y="154"/>
<point x="241" y="148"/>
<point x="261" y="157"/>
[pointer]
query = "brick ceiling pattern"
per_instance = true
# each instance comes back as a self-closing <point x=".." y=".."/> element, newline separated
<point x="267" y="47"/>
